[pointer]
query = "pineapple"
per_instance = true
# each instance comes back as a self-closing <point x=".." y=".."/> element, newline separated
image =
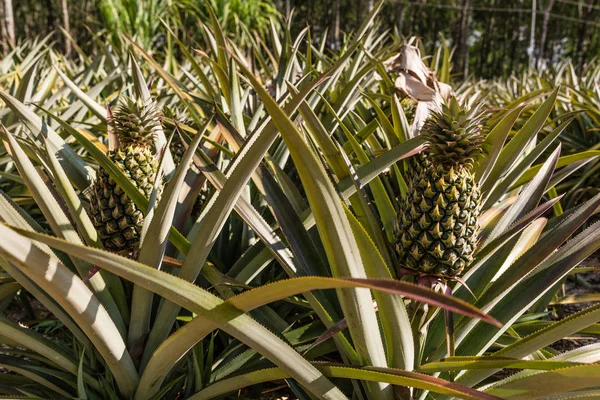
<point x="438" y="218"/>
<point x="116" y="218"/>
<point x="177" y="148"/>
<point x="409" y="107"/>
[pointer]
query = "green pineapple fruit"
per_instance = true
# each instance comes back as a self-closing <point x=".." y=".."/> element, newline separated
<point x="116" y="218"/>
<point x="409" y="107"/>
<point x="177" y="148"/>
<point x="438" y="221"/>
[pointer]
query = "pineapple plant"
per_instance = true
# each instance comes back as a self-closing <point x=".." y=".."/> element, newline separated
<point x="205" y="337"/>
<point x="438" y="219"/>
<point x="117" y="219"/>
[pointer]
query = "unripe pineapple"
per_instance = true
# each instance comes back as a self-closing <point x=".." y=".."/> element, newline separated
<point x="409" y="107"/>
<point x="177" y="148"/>
<point x="438" y="219"/>
<point x="116" y="218"/>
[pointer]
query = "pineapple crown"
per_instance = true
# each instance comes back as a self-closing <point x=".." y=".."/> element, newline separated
<point x="135" y="122"/>
<point x="454" y="135"/>
<point x="177" y="113"/>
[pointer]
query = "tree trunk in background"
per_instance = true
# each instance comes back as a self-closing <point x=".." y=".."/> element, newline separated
<point x="515" y="58"/>
<point x="3" y="34"/>
<point x="588" y="14"/>
<point x="486" y="47"/>
<point x="9" y="22"/>
<point x="66" y="26"/>
<point x="466" y="39"/>
<point x="531" y="48"/>
<point x="400" y="16"/>
<point x="370" y="5"/>
<point x="545" y="20"/>
<point x="336" y="27"/>
<point x="462" y="45"/>
<point x="50" y="19"/>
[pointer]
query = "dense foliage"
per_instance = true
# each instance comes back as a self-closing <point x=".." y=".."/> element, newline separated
<point x="490" y="37"/>
<point x="177" y="206"/>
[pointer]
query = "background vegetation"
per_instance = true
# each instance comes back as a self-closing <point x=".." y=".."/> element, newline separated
<point x="491" y="38"/>
<point x="281" y="162"/>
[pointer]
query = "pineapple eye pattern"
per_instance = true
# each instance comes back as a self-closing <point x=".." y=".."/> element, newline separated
<point x="438" y="219"/>
<point x="118" y="220"/>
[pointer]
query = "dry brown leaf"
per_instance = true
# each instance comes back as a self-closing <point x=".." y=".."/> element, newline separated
<point x="414" y="88"/>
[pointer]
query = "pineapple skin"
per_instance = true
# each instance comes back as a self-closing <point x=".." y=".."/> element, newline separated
<point x="177" y="150"/>
<point x="439" y="222"/>
<point x="115" y="216"/>
<point x="176" y="147"/>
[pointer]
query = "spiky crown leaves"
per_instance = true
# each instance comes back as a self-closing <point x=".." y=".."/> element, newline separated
<point x="454" y="135"/>
<point x="135" y="122"/>
<point x="176" y="113"/>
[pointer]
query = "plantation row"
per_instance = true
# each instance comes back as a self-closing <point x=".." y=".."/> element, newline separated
<point x="172" y="221"/>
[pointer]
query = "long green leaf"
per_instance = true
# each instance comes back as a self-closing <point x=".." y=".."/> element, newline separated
<point x="96" y="108"/>
<point x="336" y="236"/>
<point x="532" y="288"/>
<point x="392" y="376"/>
<point x="540" y="339"/>
<point x="21" y="367"/>
<point x="81" y="175"/>
<point x="155" y="242"/>
<point x="42" y="346"/>
<point x="522" y="166"/>
<point x="528" y="199"/>
<point x="491" y="362"/>
<point x="549" y="382"/>
<point x="562" y="162"/>
<point x="511" y="152"/>
<point x="61" y="225"/>
<point x="77" y="300"/>
<point x="392" y="311"/>
<point x="197" y="300"/>
<point x="11" y="214"/>
<point x="205" y="232"/>
<point x="494" y="142"/>
<point x="182" y="341"/>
